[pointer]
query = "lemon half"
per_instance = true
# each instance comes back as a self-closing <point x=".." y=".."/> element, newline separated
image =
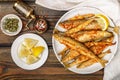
<point x="103" y="21"/>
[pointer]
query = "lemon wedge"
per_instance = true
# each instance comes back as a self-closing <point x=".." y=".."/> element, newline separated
<point x="29" y="42"/>
<point x="31" y="59"/>
<point x="37" y="50"/>
<point x="103" y="21"/>
<point x="24" y="52"/>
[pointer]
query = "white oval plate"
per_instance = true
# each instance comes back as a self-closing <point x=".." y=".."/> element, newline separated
<point x="58" y="46"/>
<point x="19" y="24"/>
<point x="19" y="62"/>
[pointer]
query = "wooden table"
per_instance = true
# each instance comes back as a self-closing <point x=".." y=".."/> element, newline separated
<point x="52" y="69"/>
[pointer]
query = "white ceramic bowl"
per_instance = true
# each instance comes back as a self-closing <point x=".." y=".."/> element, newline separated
<point x="6" y="31"/>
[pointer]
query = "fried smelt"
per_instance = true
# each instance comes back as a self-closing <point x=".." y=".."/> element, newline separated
<point x="79" y="60"/>
<point x="83" y="58"/>
<point x="104" y="53"/>
<point x="71" y="55"/>
<point x="75" y="21"/>
<point x="116" y="29"/>
<point x="90" y="24"/>
<point x="92" y="61"/>
<point x="101" y="43"/>
<point x="68" y="24"/>
<point x="99" y="48"/>
<point x="88" y="63"/>
<point x="63" y="52"/>
<point x="86" y="36"/>
<point x="84" y="16"/>
<point x="109" y="39"/>
<point x="79" y="47"/>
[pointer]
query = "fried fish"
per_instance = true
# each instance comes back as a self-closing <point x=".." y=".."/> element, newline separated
<point x="71" y="55"/>
<point x="84" y="16"/>
<point x="79" y="47"/>
<point x="98" y="49"/>
<point x="63" y="52"/>
<point x="77" y="61"/>
<point x="86" y="36"/>
<point x="92" y="61"/>
<point x="75" y="21"/>
<point x="68" y="24"/>
<point x="83" y="58"/>
<point x="100" y="43"/>
<point x="90" y="24"/>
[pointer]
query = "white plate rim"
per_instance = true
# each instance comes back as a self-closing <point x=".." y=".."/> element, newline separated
<point x="53" y="40"/>
<point x="22" y="64"/>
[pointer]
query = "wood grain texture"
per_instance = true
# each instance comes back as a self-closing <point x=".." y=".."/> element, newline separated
<point x="52" y="69"/>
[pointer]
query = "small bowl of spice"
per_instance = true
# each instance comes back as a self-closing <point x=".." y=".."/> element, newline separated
<point x="11" y="24"/>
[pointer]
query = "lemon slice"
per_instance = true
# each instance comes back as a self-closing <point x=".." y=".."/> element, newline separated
<point x="31" y="59"/>
<point x="24" y="52"/>
<point x="29" y="42"/>
<point x="37" y="50"/>
<point x="103" y="21"/>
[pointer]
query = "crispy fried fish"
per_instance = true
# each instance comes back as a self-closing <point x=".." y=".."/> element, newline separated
<point x="71" y="55"/>
<point x="63" y="52"/>
<point x="84" y="16"/>
<point x="88" y="63"/>
<point x="79" y="47"/>
<point x="99" y="48"/>
<point x="90" y="24"/>
<point x="83" y="58"/>
<point x="68" y="24"/>
<point x="96" y="47"/>
<point x="77" y="61"/>
<point x="109" y="39"/>
<point x="75" y="21"/>
<point x="91" y="44"/>
<point x="92" y="61"/>
<point x="86" y="36"/>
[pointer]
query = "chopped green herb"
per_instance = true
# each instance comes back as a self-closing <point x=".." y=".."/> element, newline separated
<point x="11" y="24"/>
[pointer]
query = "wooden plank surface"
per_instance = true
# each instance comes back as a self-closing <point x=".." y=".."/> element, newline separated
<point x="52" y="69"/>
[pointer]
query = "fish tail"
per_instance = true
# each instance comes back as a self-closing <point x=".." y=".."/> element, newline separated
<point x="104" y="61"/>
<point x="100" y="61"/>
<point x="108" y="51"/>
<point x="55" y="31"/>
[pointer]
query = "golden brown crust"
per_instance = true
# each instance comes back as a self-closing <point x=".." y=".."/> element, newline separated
<point x="79" y="28"/>
<point x="83" y="58"/>
<point x="68" y="24"/>
<point x="72" y="44"/>
<point x="92" y="61"/>
<point x="71" y="55"/>
<point x="63" y="52"/>
<point x="84" y="16"/>
<point x="86" y="36"/>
